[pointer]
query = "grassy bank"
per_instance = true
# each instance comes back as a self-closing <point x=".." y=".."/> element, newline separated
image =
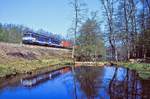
<point x="19" y="58"/>
<point x="19" y="67"/>
<point x="142" y="68"/>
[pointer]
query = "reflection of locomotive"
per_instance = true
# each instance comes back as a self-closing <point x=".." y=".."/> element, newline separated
<point x="39" y="78"/>
<point x="46" y="40"/>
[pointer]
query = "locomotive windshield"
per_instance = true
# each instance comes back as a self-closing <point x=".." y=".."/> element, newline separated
<point x="27" y="35"/>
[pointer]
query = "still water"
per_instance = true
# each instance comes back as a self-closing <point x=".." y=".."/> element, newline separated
<point x="81" y="83"/>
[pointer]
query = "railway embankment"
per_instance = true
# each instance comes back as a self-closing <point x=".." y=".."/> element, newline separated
<point x="19" y="58"/>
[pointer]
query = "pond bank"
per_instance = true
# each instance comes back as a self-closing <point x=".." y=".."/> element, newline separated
<point x="27" y="67"/>
<point x="90" y="63"/>
<point x="143" y="69"/>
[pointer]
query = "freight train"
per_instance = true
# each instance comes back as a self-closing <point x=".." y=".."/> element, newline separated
<point x="44" y="40"/>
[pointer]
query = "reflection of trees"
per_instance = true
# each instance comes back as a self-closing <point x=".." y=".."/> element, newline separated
<point x="129" y="87"/>
<point x="145" y="89"/>
<point x="89" y="82"/>
<point x="88" y="79"/>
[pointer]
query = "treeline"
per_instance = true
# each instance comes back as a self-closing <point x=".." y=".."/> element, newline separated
<point x="126" y="34"/>
<point x="12" y="33"/>
<point x="128" y="28"/>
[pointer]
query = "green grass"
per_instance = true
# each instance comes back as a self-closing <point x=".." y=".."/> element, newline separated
<point x="142" y="68"/>
<point x="19" y="67"/>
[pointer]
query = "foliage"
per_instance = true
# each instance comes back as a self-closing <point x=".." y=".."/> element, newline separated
<point x="11" y="33"/>
<point x="89" y="41"/>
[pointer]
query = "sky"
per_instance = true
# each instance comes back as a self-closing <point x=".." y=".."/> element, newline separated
<point x="51" y="15"/>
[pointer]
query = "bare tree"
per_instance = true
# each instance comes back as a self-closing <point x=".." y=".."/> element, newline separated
<point x="129" y="10"/>
<point x="148" y="5"/>
<point x="144" y="29"/>
<point x="78" y="17"/>
<point x="108" y="6"/>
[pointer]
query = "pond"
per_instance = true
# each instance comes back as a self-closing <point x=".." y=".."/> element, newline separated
<point x="106" y="82"/>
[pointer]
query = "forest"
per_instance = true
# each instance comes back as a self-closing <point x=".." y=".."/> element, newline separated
<point x="126" y="33"/>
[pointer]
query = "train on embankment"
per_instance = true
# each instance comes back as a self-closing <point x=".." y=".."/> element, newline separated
<point x="45" y="40"/>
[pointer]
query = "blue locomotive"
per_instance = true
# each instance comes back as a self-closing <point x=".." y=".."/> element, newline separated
<point x="40" y="39"/>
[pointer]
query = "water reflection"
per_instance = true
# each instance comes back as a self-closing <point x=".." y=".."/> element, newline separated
<point x="88" y="78"/>
<point x="128" y="87"/>
<point x="110" y="83"/>
<point x="34" y="80"/>
<point x="80" y="83"/>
